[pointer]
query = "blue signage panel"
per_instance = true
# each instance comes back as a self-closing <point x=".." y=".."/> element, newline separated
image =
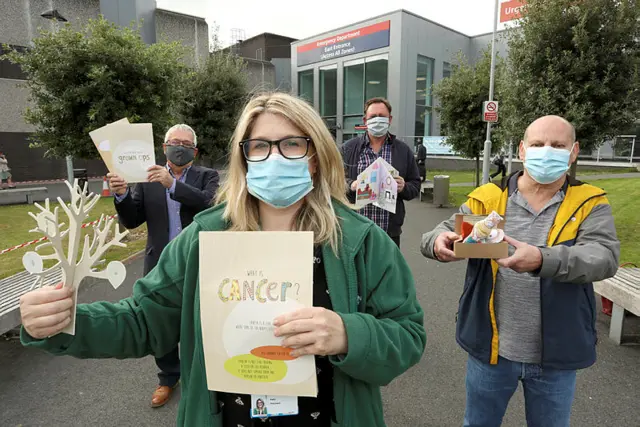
<point x="349" y="43"/>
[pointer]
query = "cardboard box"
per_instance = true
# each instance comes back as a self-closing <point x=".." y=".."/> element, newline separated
<point x="478" y="250"/>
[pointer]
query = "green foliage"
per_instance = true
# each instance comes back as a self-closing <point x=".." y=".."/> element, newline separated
<point x="213" y="98"/>
<point x="461" y="99"/>
<point x="579" y="60"/>
<point x="82" y="80"/>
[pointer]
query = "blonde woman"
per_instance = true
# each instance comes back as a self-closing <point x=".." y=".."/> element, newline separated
<point x="366" y="326"/>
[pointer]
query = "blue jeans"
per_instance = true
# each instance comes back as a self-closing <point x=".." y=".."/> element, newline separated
<point x="548" y="393"/>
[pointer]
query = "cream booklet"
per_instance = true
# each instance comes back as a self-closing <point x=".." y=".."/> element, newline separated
<point x="126" y="149"/>
<point x="247" y="279"/>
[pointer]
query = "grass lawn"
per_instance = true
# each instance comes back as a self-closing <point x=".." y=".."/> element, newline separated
<point x="467" y="176"/>
<point x="623" y="194"/>
<point x="15" y="224"/>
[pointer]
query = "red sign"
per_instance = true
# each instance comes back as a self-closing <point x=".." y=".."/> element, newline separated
<point x="360" y="128"/>
<point x="511" y="10"/>
<point x="490" y="111"/>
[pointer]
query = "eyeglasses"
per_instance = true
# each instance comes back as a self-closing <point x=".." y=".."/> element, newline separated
<point x="291" y="147"/>
<point x="180" y="143"/>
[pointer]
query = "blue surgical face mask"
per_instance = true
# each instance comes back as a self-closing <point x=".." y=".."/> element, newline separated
<point x="546" y="165"/>
<point x="378" y="126"/>
<point x="279" y="182"/>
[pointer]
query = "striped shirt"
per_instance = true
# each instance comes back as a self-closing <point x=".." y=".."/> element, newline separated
<point x="379" y="216"/>
<point x="518" y="311"/>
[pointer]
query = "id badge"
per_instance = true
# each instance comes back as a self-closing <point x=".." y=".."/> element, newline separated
<point x="263" y="406"/>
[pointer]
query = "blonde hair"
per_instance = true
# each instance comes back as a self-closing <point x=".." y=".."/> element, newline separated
<point x="317" y="213"/>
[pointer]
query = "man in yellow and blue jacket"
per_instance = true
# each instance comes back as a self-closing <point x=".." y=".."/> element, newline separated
<point x="530" y="317"/>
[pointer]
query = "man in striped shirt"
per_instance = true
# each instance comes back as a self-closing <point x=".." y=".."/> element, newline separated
<point x="360" y="152"/>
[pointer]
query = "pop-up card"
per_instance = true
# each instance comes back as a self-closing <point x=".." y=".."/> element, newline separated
<point x="48" y="223"/>
<point x="126" y="149"/>
<point x="256" y="277"/>
<point x="376" y="184"/>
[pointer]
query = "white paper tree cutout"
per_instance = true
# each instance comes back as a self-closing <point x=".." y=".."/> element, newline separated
<point x="74" y="270"/>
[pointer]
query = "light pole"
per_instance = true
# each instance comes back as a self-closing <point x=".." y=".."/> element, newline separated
<point x="486" y="162"/>
<point x="510" y="157"/>
<point x="54" y="16"/>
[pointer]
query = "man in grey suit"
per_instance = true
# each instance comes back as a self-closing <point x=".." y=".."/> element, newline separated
<point x="174" y="194"/>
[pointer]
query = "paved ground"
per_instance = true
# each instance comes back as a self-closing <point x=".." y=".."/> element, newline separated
<point x="42" y="390"/>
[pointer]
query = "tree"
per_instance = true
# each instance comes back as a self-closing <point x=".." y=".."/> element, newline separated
<point x="215" y="44"/>
<point x="213" y="98"/>
<point x="82" y="80"/>
<point x="578" y="59"/>
<point x="461" y="98"/>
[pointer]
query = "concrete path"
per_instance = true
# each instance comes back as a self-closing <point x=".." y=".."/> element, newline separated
<point x="42" y="390"/>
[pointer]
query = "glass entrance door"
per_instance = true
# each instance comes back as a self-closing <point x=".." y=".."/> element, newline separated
<point x="329" y="97"/>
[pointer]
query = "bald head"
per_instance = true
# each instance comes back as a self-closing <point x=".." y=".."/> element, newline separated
<point x="550" y="130"/>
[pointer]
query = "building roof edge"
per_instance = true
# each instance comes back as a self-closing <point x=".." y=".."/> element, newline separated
<point x="173" y="12"/>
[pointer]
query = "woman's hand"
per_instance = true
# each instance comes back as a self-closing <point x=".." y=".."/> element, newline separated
<point x="312" y="330"/>
<point x="46" y="311"/>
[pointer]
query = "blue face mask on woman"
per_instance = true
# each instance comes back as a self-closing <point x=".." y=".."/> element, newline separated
<point x="279" y="182"/>
<point x="546" y="165"/>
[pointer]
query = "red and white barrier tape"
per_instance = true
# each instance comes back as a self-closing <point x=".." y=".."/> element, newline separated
<point x="4" y="251"/>
<point x="97" y="220"/>
<point x="33" y="242"/>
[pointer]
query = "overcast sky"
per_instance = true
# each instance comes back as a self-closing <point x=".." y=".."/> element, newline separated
<point x="300" y="19"/>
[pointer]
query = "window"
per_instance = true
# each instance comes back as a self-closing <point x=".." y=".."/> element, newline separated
<point x="363" y="79"/>
<point x="446" y="70"/>
<point x="305" y="85"/>
<point x="376" y="77"/>
<point x="424" y="99"/>
<point x="9" y="70"/>
<point x="353" y="87"/>
<point x="329" y="91"/>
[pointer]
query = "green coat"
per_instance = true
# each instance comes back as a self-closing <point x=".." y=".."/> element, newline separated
<point x="371" y="288"/>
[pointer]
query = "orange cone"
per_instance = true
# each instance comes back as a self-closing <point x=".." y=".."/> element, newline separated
<point x="105" y="188"/>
